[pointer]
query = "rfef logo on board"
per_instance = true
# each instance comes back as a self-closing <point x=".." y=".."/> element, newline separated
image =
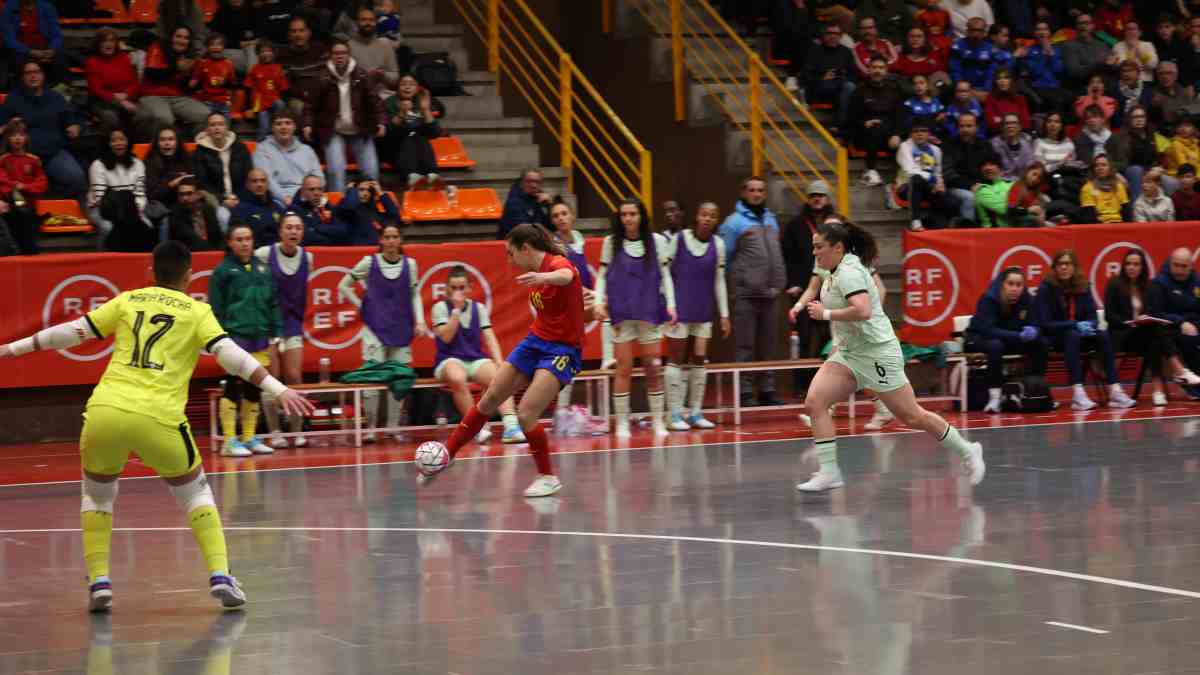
<point x="1108" y="263"/>
<point x="1032" y="260"/>
<point x="331" y="321"/>
<point x="73" y="297"/>
<point x="930" y="287"/>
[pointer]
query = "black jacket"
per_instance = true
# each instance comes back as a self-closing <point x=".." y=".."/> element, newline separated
<point x="1052" y="309"/>
<point x="322" y="227"/>
<point x="210" y="171"/>
<point x="960" y="162"/>
<point x="883" y="101"/>
<point x="182" y="230"/>
<point x="796" y="243"/>
<point x="991" y="321"/>
<point x="1118" y="304"/>
<point x="821" y="59"/>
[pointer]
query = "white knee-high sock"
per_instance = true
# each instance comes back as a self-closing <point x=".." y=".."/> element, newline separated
<point x="697" y="381"/>
<point x="952" y="440"/>
<point x="657" y="403"/>
<point x="621" y="407"/>
<point x="673" y="379"/>
<point x="827" y="455"/>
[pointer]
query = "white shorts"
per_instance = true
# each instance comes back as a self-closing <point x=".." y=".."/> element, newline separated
<point x="643" y="331"/>
<point x="292" y="343"/>
<point x="373" y="350"/>
<point x="471" y="367"/>
<point x="682" y="331"/>
<point x="879" y="368"/>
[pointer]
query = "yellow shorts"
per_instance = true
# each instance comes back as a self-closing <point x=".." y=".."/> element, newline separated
<point x="111" y="434"/>
<point x="263" y="357"/>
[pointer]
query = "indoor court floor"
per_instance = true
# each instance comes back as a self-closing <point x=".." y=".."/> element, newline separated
<point x="1079" y="553"/>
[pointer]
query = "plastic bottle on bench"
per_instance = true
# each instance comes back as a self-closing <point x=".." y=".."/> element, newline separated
<point x="794" y="340"/>
<point x="324" y="365"/>
<point x="452" y="196"/>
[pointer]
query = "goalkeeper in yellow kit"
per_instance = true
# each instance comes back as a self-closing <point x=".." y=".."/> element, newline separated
<point x="138" y="407"/>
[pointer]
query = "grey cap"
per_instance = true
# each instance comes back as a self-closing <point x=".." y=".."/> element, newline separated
<point x="818" y="187"/>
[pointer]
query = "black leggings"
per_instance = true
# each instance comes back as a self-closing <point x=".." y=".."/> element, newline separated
<point x="1151" y="342"/>
<point x="237" y="389"/>
<point x="1037" y="350"/>
<point x="1072" y="343"/>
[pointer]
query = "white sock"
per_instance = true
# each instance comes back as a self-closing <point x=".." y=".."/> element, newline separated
<point x="510" y="421"/>
<point x="673" y="379"/>
<point x="993" y="393"/>
<point x="606" y="342"/>
<point x="1078" y="391"/>
<point x="952" y="440"/>
<point x="1116" y="388"/>
<point x="827" y="455"/>
<point x="621" y="407"/>
<point x="657" y="403"/>
<point x="564" y="397"/>
<point x="698" y="381"/>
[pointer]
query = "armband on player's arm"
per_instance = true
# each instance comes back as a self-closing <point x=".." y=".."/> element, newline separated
<point x="62" y="336"/>
<point x="239" y="362"/>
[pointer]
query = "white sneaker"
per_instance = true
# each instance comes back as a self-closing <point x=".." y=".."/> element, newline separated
<point x="872" y="178"/>
<point x="256" y="446"/>
<point x="369" y="437"/>
<point x="1080" y="401"/>
<point x="299" y="442"/>
<point x="234" y="448"/>
<point x="622" y="431"/>
<point x="1159" y="399"/>
<point x="822" y="481"/>
<point x="973" y="466"/>
<point x="916" y="225"/>
<point x="1187" y="377"/>
<point x="880" y="419"/>
<point x="791" y="84"/>
<point x="226" y="588"/>
<point x="698" y="421"/>
<point x="678" y="423"/>
<point x="484" y="435"/>
<point x="1119" y="399"/>
<point x="993" y="406"/>
<point x="543" y="486"/>
<point x="100" y="595"/>
<point x="660" y="429"/>
<point x="806" y="420"/>
<point x="278" y="442"/>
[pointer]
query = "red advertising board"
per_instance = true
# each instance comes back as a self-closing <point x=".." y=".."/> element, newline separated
<point x="40" y="291"/>
<point x="945" y="272"/>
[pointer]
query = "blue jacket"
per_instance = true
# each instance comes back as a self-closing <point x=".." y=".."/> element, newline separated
<point x="1180" y="299"/>
<point x="47" y="117"/>
<point x="952" y="113"/>
<point x="990" y="321"/>
<point x="48" y="26"/>
<point x="975" y="64"/>
<point x="317" y="231"/>
<point x="360" y="220"/>
<point x="521" y="208"/>
<point x="1050" y="309"/>
<point x="739" y="221"/>
<point x="262" y="215"/>
<point x="1044" y="68"/>
<point x="929" y="110"/>
<point x="756" y="268"/>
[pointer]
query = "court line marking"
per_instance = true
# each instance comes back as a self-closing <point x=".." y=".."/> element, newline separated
<point x="595" y="451"/>
<point x="977" y="562"/>
<point x="1072" y="626"/>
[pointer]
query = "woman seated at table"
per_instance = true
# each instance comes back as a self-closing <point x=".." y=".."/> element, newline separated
<point x="1001" y="325"/>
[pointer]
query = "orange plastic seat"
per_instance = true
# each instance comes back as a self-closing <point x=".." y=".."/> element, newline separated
<point x="451" y="154"/>
<point x="68" y="209"/>
<point x="428" y="205"/>
<point x="479" y="204"/>
<point x="143" y="11"/>
<point x="140" y="150"/>
<point x="334" y="198"/>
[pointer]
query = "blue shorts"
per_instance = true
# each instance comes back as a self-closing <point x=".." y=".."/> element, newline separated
<point x="534" y="353"/>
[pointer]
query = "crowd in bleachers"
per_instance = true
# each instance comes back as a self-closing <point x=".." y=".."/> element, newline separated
<point x="319" y="84"/>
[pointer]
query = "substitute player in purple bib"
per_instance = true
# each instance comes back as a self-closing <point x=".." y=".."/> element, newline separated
<point x="698" y="273"/>
<point x="866" y="354"/>
<point x="290" y="266"/>
<point x="138" y="407"/>
<point x="563" y="219"/>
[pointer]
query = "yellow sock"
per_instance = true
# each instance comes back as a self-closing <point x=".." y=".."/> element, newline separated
<point x="97" y="537"/>
<point x="229" y="416"/>
<point x="206" y="526"/>
<point x="249" y="420"/>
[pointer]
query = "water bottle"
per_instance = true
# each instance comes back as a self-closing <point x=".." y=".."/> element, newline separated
<point x="323" y="366"/>
<point x="452" y="196"/>
<point x="794" y="339"/>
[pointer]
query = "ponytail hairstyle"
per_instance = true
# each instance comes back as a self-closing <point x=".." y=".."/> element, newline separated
<point x="855" y="239"/>
<point x="537" y="237"/>
<point x="645" y="229"/>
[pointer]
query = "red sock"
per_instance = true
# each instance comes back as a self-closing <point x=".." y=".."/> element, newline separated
<point x="466" y="430"/>
<point x="539" y="445"/>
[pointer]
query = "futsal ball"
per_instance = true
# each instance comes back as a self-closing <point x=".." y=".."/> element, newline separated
<point x="432" y="457"/>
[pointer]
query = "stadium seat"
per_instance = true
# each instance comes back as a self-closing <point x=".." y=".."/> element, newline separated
<point x="64" y="216"/>
<point x="428" y="205"/>
<point x="334" y="198"/>
<point x="143" y="11"/>
<point x="479" y="204"/>
<point x="114" y="7"/>
<point x="451" y="154"/>
<point x="140" y="150"/>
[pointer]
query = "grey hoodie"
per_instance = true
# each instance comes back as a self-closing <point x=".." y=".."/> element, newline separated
<point x="286" y="167"/>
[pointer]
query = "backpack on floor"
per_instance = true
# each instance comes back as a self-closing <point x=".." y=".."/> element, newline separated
<point x="437" y="73"/>
<point x="1030" y="395"/>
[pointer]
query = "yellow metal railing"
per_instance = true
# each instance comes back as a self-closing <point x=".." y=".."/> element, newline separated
<point x="594" y="141"/>
<point x="766" y="109"/>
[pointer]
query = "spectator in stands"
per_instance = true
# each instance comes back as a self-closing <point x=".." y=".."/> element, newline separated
<point x="1186" y="199"/>
<point x="112" y="82"/>
<point x="1129" y="297"/>
<point x="345" y="111"/>
<point x="1005" y="100"/>
<point x="920" y="179"/>
<point x="346" y="24"/>
<point x="873" y="107"/>
<point x="963" y="103"/>
<point x="963" y="156"/>
<point x="1042" y="68"/>
<point x="1178" y="301"/>
<point x="796" y="248"/>
<point x="756" y="275"/>
<point x="1017" y="14"/>
<point x="1104" y="198"/>
<point x="1095" y="138"/>
<point x="193" y="221"/>
<point x="871" y="45"/>
<point x="924" y="105"/>
<point x="22" y="184"/>
<point x="526" y="203"/>
<point x="286" y="160"/>
<point x="963" y="11"/>
<point x="272" y="20"/>
<point x="1003" y="324"/>
<point x="795" y="32"/>
<point x="164" y="101"/>
<point x="52" y="125"/>
<point x="1152" y="206"/>
<point x="1065" y="311"/>
<point x="892" y="16"/>
<point x="1183" y="149"/>
<point x="360" y="211"/>
<point x="222" y="163"/>
<point x="1134" y="48"/>
<point x="991" y="195"/>
<point x="1014" y="148"/>
<point x="304" y="62"/>
<point x="1002" y="48"/>
<point x="1131" y="92"/>
<point x="412" y="124"/>
<point x="319" y="16"/>
<point x="1095" y="96"/>
<point x="267" y="83"/>
<point x="32" y="33"/>
<point x="830" y="74"/>
<point x="1167" y="44"/>
<point x="1169" y="97"/>
<point x="116" y="203"/>
<point x="167" y="164"/>
<point x="374" y="54"/>
<point x="935" y="21"/>
<point x="1134" y="150"/>
<point x="1187" y="57"/>
<point x="1113" y="17"/>
<point x="257" y="208"/>
<point x="673" y="216"/>
<point x="972" y="59"/>
<point x="1053" y="149"/>
<point x="921" y="58"/>
<point x="234" y="21"/>
<point x="1086" y="54"/>
<point x="321" y="226"/>
<point x="1028" y="199"/>
<point x="175" y="14"/>
<point x="213" y="77"/>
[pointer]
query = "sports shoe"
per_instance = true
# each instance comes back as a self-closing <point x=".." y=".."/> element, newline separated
<point x="1186" y="376"/>
<point x="881" y="418"/>
<point x="622" y="431"/>
<point x="299" y="442"/>
<point x="484" y="435"/>
<point x="916" y="225"/>
<point x="1080" y="401"/>
<point x="100" y="595"/>
<point x="256" y="446"/>
<point x="678" y="423"/>
<point x="697" y="421"/>
<point x="660" y="429"/>
<point x="973" y="466"/>
<point x="234" y="448"/>
<point x="1159" y="399"/>
<point x="278" y="442"/>
<point x="1119" y="399"/>
<point x="871" y="178"/>
<point x="543" y="486"/>
<point x="225" y="587"/>
<point x="369" y="437"/>
<point x="513" y="435"/>
<point x="993" y="406"/>
<point x="791" y="84"/>
<point x="822" y="481"/>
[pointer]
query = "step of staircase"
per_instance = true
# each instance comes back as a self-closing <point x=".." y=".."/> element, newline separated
<point x="504" y="131"/>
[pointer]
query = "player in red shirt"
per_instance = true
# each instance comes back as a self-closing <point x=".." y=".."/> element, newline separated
<point x="546" y="360"/>
<point x="213" y="77"/>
